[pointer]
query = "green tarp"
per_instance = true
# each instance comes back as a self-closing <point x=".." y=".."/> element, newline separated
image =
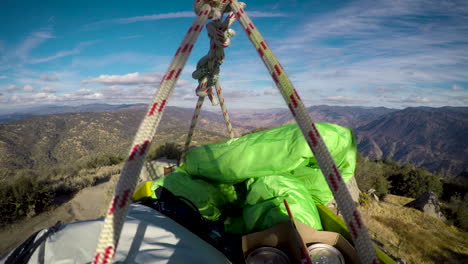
<point x="245" y="180"/>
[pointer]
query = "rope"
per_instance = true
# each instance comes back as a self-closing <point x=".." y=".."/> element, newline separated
<point x="207" y="73"/>
<point x="352" y="216"/>
<point x="227" y="119"/>
<point x="114" y="220"/>
<point x="200" y="101"/>
<point x="113" y="223"/>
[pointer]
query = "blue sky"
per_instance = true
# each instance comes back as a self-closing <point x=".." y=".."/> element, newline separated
<point x="370" y="53"/>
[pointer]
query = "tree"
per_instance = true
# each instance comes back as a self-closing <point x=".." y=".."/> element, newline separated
<point x="412" y="182"/>
<point x="369" y="175"/>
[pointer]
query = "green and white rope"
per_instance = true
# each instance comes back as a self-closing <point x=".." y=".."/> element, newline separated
<point x="114" y="220"/>
<point x="352" y="216"/>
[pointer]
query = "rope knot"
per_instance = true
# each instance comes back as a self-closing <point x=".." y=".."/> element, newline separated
<point x="219" y="34"/>
<point x="218" y="7"/>
<point x="207" y="72"/>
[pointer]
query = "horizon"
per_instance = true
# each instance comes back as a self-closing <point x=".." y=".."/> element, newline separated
<point x="210" y="108"/>
<point x="409" y="53"/>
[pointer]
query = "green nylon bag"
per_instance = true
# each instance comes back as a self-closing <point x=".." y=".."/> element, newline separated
<point x="247" y="178"/>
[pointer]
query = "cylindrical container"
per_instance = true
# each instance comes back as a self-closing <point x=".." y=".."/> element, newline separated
<point x="263" y="255"/>
<point x="325" y="254"/>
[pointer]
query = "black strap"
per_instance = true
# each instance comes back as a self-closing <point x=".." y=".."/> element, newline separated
<point x="185" y="213"/>
<point x="23" y="252"/>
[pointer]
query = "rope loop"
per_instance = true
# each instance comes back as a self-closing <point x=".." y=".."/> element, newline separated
<point x="207" y="71"/>
<point x="218" y="7"/>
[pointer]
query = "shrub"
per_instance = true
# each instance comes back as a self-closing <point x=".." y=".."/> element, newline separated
<point x="169" y="150"/>
<point x="255" y="130"/>
<point x="26" y="196"/>
<point x="369" y="175"/>
<point x="6" y="174"/>
<point x="364" y="200"/>
<point x="412" y="182"/>
<point x="101" y="160"/>
<point x="451" y="188"/>
<point x="456" y="211"/>
<point x="389" y="176"/>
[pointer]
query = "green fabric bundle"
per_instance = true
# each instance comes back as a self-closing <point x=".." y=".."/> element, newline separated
<point x="246" y="179"/>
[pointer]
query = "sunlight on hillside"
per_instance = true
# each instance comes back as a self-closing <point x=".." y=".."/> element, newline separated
<point x="412" y="235"/>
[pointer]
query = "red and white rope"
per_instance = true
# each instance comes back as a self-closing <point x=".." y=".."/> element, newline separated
<point x="114" y="220"/>
<point x="196" y="113"/>
<point x="207" y="74"/>
<point x="227" y="119"/>
<point x="352" y="216"/>
<point x="109" y="237"/>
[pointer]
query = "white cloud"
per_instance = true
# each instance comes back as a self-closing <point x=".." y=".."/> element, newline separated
<point x="260" y="14"/>
<point x="48" y="90"/>
<point x="28" y="88"/>
<point x="116" y="58"/>
<point x="11" y="88"/>
<point x="172" y="15"/>
<point x="32" y="41"/>
<point x="457" y="87"/>
<point x="131" y="37"/>
<point x="398" y="46"/>
<point x="44" y="96"/>
<point x="112" y="89"/>
<point x="235" y="94"/>
<point x="83" y="92"/>
<point x="2" y="77"/>
<point x="131" y="79"/>
<point x="2" y="46"/>
<point x="342" y="100"/>
<point x="272" y="91"/>
<point x="127" y="79"/>
<point x="57" y="55"/>
<point x="63" y="53"/>
<point x="48" y="78"/>
<point x="129" y="20"/>
<point x="416" y="99"/>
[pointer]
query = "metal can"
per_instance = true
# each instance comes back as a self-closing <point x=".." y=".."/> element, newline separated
<point x="325" y="254"/>
<point x="264" y="255"/>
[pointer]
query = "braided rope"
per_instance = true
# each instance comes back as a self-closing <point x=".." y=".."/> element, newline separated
<point x="227" y="119"/>
<point x="207" y="73"/>
<point x="352" y="216"/>
<point x="114" y="220"/>
<point x="118" y="207"/>
<point x="200" y="101"/>
<point x="196" y="114"/>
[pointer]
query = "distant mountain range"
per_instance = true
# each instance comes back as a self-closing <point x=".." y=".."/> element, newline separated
<point x="9" y="116"/>
<point x="58" y="139"/>
<point x="348" y="116"/>
<point x="432" y="138"/>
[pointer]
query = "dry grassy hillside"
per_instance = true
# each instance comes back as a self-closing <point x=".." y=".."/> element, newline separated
<point x="89" y="203"/>
<point x="43" y="141"/>
<point x="413" y="236"/>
